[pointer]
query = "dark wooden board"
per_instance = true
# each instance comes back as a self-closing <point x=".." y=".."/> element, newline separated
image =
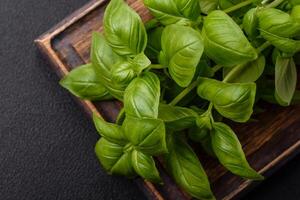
<point x="268" y="143"/>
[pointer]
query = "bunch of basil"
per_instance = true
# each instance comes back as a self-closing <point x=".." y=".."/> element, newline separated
<point x="180" y="74"/>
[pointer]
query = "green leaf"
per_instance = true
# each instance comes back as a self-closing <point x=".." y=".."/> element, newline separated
<point x="141" y="62"/>
<point x="123" y="72"/>
<point x="279" y="28"/>
<point x="124" y="29"/>
<point x="104" y="59"/>
<point x="85" y="84"/>
<point x="250" y="23"/>
<point x="113" y="159"/>
<point x="208" y="5"/>
<point x="109" y="131"/>
<point x="147" y="135"/>
<point x="230" y="153"/>
<point x="144" y="166"/>
<point x="183" y="164"/>
<point x="248" y="72"/>
<point x="285" y="80"/>
<point x="174" y="11"/>
<point x="154" y="43"/>
<point x="224" y="41"/>
<point x="182" y="48"/>
<point x="232" y="100"/>
<point x="142" y="95"/>
<point x="176" y="118"/>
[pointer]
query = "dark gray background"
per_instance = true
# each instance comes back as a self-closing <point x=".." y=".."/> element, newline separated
<point x="46" y="142"/>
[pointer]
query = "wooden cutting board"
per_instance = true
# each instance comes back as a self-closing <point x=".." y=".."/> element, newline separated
<point x="268" y="143"/>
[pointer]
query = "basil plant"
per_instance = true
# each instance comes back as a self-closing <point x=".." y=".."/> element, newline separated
<point x="181" y="77"/>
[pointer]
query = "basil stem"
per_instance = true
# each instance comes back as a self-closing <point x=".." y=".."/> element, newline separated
<point x="238" y="6"/>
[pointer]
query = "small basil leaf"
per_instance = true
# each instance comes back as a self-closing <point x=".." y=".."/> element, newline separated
<point x="103" y="59"/>
<point x="176" y="118"/>
<point x="208" y="5"/>
<point x="154" y="43"/>
<point x="144" y="166"/>
<point x="203" y="121"/>
<point x="113" y="159"/>
<point x="279" y="28"/>
<point x="109" y="131"/>
<point x="198" y="135"/>
<point x="230" y="153"/>
<point x="141" y="98"/>
<point x="174" y="11"/>
<point x="250" y="23"/>
<point x="124" y="29"/>
<point x="141" y="62"/>
<point x="85" y="84"/>
<point x="224" y="41"/>
<point x="187" y="171"/>
<point x="123" y="72"/>
<point x="182" y="48"/>
<point x="232" y="100"/>
<point x="285" y="80"/>
<point x="147" y="135"/>
<point x="248" y="72"/>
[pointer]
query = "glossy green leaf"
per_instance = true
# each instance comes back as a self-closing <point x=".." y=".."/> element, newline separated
<point x="248" y="72"/>
<point x="142" y="95"/>
<point x="232" y="100"/>
<point x="250" y="23"/>
<point x="123" y="72"/>
<point x="207" y="6"/>
<point x="141" y="62"/>
<point x="230" y="153"/>
<point x="113" y="159"/>
<point x="147" y="135"/>
<point x="104" y="59"/>
<point x="279" y="28"/>
<point x="285" y="80"/>
<point x="183" y="164"/>
<point x="177" y="118"/>
<point x="174" y="11"/>
<point x="224" y="41"/>
<point x="124" y="29"/>
<point x="109" y="131"/>
<point x="84" y="83"/>
<point x="144" y="166"/>
<point x="182" y="48"/>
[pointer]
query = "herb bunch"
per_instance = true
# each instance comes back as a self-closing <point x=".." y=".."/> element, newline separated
<point x="179" y="75"/>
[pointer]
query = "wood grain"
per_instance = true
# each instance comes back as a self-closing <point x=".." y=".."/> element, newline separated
<point x="268" y="143"/>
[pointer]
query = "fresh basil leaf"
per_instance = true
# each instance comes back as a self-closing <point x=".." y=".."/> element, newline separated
<point x="103" y="59"/>
<point x="141" y="98"/>
<point x="279" y="28"/>
<point x="250" y="23"/>
<point x="224" y="41"/>
<point x="230" y="153"/>
<point x="144" y="166"/>
<point x="174" y="11"/>
<point x="141" y="62"/>
<point x="232" y="100"/>
<point x="147" y="135"/>
<point x="176" y="118"/>
<point x="183" y="164"/>
<point x="123" y="72"/>
<point x="248" y="72"/>
<point x="154" y="43"/>
<point x="124" y="29"/>
<point x="85" y="84"/>
<point x="182" y="48"/>
<point x="109" y="131"/>
<point x="113" y="159"/>
<point x="207" y="6"/>
<point x="285" y="80"/>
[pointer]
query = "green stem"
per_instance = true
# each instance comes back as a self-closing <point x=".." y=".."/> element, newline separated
<point x="151" y="24"/>
<point x="263" y="47"/>
<point x="186" y="91"/>
<point x="274" y="4"/>
<point x="157" y="66"/>
<point x="217" y="68"/>
<point x="238" y="6"/>
<point x="231" y="74"/>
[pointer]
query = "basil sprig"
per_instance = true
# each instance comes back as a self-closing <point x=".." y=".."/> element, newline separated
<point x="178" y="77"/>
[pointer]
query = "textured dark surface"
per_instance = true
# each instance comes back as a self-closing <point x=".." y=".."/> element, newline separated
<point x="46" y="142"/>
